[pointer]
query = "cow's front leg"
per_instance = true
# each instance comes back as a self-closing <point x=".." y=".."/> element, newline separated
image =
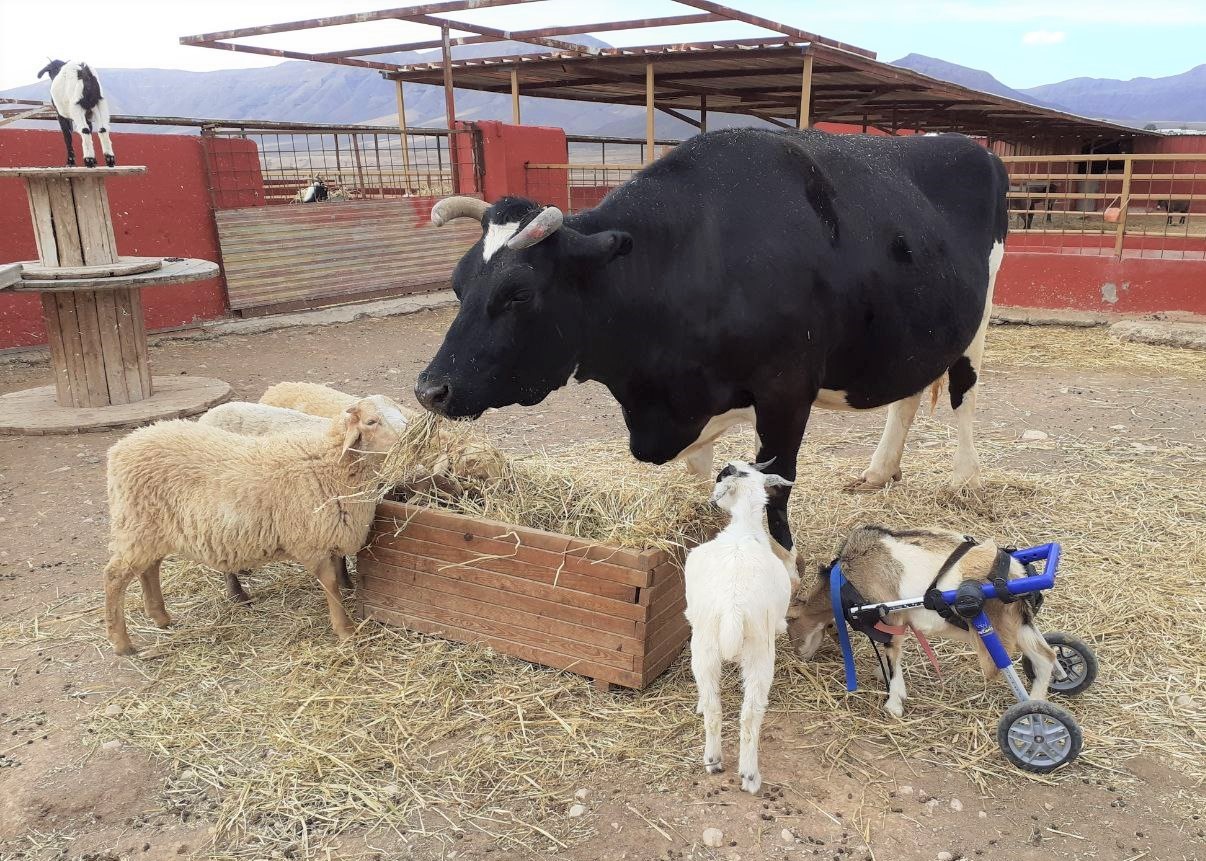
<point x="885" y="463"/>
<point x="781" y="431"/>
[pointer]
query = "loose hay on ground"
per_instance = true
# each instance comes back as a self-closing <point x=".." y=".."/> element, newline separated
<point x="303" y="737"/>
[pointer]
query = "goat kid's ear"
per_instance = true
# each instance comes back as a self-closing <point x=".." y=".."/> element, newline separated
<point x="596" y="250"/>
<point x="351" y="428"/>
<point x="772" y="480"/>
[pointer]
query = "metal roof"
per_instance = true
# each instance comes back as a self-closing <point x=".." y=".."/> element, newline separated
<point x="760" y="77"/>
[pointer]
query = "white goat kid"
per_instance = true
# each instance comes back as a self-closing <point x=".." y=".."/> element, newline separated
<point x="81" y="106"/>
<point x="738" y="592"/>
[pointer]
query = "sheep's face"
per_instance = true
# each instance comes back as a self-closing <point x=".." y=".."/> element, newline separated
<point x="373" y="424"/>
<point x="743" y="483"/>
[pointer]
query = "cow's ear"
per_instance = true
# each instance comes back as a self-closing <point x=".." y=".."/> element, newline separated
<point x="599" y="249"/>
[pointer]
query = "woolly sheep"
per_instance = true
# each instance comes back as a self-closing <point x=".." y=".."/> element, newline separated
<point x="81" y="106"/>
<point x="313" y="399"/>
<point x="234" y="503"/>
<point x="248" y="419"/>
<point x="738" y="591"/>
<point x="884" y="565"/>
<point x="473" y="460"/>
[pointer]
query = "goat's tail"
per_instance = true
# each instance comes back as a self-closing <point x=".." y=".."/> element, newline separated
<point x="935" y="391"/>
<point x="732" y="634"/>
<point x="91" y="95"/>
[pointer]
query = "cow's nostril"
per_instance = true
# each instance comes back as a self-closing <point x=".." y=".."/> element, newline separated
<point x="433" y="396"/>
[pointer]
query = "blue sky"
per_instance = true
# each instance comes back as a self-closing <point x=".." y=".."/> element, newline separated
<point x="1021" y="42"/>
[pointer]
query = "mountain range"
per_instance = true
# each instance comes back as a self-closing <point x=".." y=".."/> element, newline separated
<point x="315" y="92"/>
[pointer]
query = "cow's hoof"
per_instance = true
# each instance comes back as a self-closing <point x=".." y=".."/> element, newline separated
<point x="869" y="483"/>
<point x="89" y="162"/>
<point x="110" y="161"/>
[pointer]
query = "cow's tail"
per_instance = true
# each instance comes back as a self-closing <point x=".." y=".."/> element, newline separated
<point x="935" y="391"/>
<point x="731" y="634"/>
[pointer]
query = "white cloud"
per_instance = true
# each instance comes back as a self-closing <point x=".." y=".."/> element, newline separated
<point x="1043" y="37"/>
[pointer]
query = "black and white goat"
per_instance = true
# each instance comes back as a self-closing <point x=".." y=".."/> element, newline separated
<point x="80" y="103"/>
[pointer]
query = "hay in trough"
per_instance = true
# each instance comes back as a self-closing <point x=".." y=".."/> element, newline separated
<point x="298" y="738"/>
<point x="593" y="491"/>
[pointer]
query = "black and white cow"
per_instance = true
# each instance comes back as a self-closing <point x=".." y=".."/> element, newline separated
<point x="745" y="276"/>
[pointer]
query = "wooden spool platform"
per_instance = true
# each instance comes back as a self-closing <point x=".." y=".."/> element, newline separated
<point x="92" y="307"/>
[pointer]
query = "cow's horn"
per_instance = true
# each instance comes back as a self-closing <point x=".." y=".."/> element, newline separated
<point x="457" y="207"/>
<point x="545" y="224"/>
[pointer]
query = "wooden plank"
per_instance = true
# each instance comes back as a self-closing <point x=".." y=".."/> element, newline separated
<point x="10" y="273"/>
<point x="539" y="586"/>
<point x="656" y="663"/>
<point x="494" y="588"/>
<point x="97" y="392"/>
<point x="453" y="557"/>
<point x="489" y="618"/>
<point x="650" y="98"/>
<point x="66" y="172"/>
<point x="58" y="351"/>
<point x="66" y="228"/>
<point x="671" y="643"/>
<point x="73" y="351"/>
<point x="172" y="271"/>
<point x="805" y="117"/>
<point x="514" y="96"/>
<point x="142" y="350"/>
<point x="97" y="245"/>
<point x="128" y="318"/>
<point x="514" y="548"/>
<point x="115" y="375"/>
<point x="640" y="560"/>
<point x="121" y="266"/>
<point x="532" y="623"/>
<point x="497" y="638"/>
<point x="43" y="224"/>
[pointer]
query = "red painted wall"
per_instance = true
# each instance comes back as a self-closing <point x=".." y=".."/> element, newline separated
<point x="1101" y="282"/>
<point x="165" y="212"/>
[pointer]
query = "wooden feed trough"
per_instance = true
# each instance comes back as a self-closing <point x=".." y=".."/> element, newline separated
<point x="611" y="614"/>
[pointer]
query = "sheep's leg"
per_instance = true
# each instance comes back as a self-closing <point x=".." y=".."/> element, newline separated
<point x="325" y="571"/>
<point x="152" y="596"/>
<point x="341" y="570"/>
<point x="118" y="575"/>
<point x="1042" y="658"/>
<point x="65" y="125"/>
<point x="963" y="377"/>
<point x="705" y="666"/>
<point x="896" y="685"/>
<point x="234" y="589"/>
<point x="885" y="463"/>
<point x="757" y="670"/>
<point x="79" y="118"/>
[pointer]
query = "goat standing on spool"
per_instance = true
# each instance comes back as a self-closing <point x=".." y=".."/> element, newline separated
<point x="80" y="104"/>
<point x="738" y="591"/>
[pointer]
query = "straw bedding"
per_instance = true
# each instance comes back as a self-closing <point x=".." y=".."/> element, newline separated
<point x="303" y="737"/>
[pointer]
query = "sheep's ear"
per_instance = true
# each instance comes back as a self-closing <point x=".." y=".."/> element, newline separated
<point x="351" y="428"/>
<point x="772" y="480"/>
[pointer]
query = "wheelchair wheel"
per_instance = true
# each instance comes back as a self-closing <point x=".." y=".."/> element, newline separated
<point x="1074" y="656"/>
<point x="1039" y="736"/>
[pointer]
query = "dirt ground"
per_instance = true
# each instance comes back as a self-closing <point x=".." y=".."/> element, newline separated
<point x="65" y="794"/>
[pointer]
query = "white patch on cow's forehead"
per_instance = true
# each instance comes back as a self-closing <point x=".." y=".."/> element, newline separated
<point x="496" y="237"/>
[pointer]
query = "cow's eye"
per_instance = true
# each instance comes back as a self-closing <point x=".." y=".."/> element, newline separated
<point x="519" y="297"/>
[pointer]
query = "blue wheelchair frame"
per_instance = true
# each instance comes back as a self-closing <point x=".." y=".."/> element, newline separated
<point x="979" y="623"/>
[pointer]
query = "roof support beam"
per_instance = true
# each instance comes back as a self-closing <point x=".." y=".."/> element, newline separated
<point x="681" y="116"/>
<point x="358" y="18"/>
<point x="500" y="35"/>
<point x="805" y="118"/>
<point x="774" y="26"/>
